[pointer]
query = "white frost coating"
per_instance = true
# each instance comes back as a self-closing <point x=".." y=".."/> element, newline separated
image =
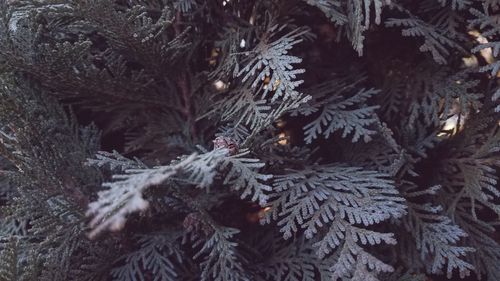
<point x="16" y="16"/>
<point x="19" y="14"/>
<point x="124" y="196"/>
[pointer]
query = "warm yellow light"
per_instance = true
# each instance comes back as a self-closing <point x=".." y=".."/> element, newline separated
<point x="266" y="81"/>
<point x="452" y="125"/>
<point x="283" y="139"/>
<point x="213" y="56"/>
<point x="470" y="61"/>
<point x="219" y="85"/>
<point x="263" y="212"/>
<point x="280" y="123"/>
<point x="256" y="216"/>
<point x="486" y="53"/>
<point x="276" y="84"/>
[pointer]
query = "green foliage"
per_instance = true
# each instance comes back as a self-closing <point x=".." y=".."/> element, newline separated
<point x="435" y="235"/>
<point x="272" y="61"/>
<point x="285" y="260"/>
<point x="156" y="256"/>
<point x="223" y="261"/>
<point x="9" y="257"/>
<point x="435" y="40"/>
<point x="125" y="193"/>
<point x="353" y="15"/>
<point x="110" y="109"/>
<point x="489" y="25"/>
<point x="348" y="115"/>
<point x="339" y="198"/>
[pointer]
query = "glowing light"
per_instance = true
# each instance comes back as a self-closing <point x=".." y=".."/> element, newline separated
<point x="283" y="139"/>
<point x="254" y="217"/>
<point x="213" y="56"/>
<point x="280" y="123"/>
<point x="452" y="125"/>
<point x="266" y="80"/>
<point x="220" y="85"/>
<point x="263" y="212"/>
<point x="243" y="43"/>
<point x="276" y="84"/>
<point x="486" y="53"/>
<point x="470" y="61"/>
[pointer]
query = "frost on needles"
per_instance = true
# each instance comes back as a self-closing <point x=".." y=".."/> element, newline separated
<point x="263" y="140"/>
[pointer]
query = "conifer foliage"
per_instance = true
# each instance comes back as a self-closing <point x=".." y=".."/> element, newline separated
<point x="228" y="140"/>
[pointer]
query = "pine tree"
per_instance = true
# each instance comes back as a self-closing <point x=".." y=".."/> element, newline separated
<point x="228" y="140"/>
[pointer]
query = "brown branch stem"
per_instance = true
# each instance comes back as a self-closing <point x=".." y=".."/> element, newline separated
<point x="184" y="87"/>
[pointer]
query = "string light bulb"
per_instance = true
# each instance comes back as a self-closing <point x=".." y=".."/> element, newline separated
<point x="220" y="85"/>
<point x="283" y="139"/>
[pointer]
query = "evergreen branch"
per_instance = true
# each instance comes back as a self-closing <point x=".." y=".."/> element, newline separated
<point x="124" y="196"/>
